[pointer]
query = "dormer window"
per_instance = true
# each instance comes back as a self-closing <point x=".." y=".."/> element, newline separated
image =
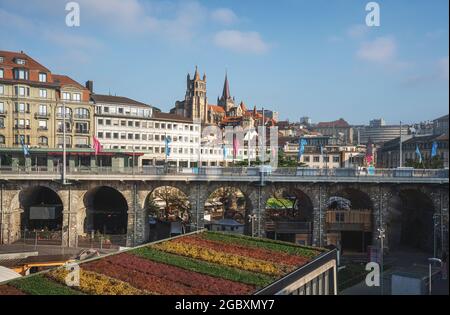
<point x="1" y="59"/>
<point x="20" y="61"/>
<point x="20" y="74"/>
<point x="42" y="77"/>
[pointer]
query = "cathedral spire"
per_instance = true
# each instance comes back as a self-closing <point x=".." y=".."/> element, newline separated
<point x="226" y="88"/>
<point x="196" y="75"/>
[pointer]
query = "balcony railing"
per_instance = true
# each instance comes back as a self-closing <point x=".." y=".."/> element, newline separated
<point x="81" y="116"/>
<point x="41" y="115"/>
<point x="288" y="226"/>
<point x="82" y="131"/>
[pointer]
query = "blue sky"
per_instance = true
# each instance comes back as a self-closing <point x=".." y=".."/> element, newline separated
<point x="301" y="58"/>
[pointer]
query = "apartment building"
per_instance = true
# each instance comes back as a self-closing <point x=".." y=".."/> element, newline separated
<point x="31" y="100"/>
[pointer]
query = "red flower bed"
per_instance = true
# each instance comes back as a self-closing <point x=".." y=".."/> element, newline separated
<point x="8" y="290"/>
<point x="252" y="252"/>
<point x="164" y="279"/>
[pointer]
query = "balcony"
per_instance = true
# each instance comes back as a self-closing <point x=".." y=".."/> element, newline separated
<point x="22" y="127"/>
<point x="3" y="113"/>
<point x="348" y="220"/>
<point x="42" y="115"/>
<point x="61" y="130"/>
<point x="42" y="129"/>
<point x="81" y="116"/>
<point x="82" y="131"/>
<point x="61" y="116"/>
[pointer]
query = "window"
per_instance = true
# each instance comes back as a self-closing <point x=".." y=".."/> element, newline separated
<point x="2" y="89"/>
<point x="108" y="122"/>
<point x="43" y="93"/>
<point x="43" y="140"/>
<point x="130" y="136"/>
<point x="1" y="73"/>
<point x="336" y="159"/>
<point x="100" y="135"/>
<point x="22" y="107"/>
<point x="20" y="74"/>
<point x="2" y="122"/>
<point x="326" y="159"/>
<point x="316" y="159"/>
<point x="20" y="61"/>
<point x="306" y="159"/>
<point x="130" y="123"/>
<point x="2" y="139"/>
<point x="81" y="127"/>
<point x="137" y="136"/>
<point x="137" y="124"/>
<point x="42" y="124"/>
<point x="22" y="91"/>
<point x="82" y="113"/>
<point x="116" y="135"/>
<point x="42" y="77"/>
<point x="76" y="97"/>
<point x="106" y="109"/>
<point x="123" y="123"/>
<point x="1" y="59"/>
<point x="2" y="107"/>
<point x="108" y="135"/>
<point x="59" y="112"/>
<point x="66" y="96"/>
<point x="100" y="122"/>
<point x="42" y="110"/>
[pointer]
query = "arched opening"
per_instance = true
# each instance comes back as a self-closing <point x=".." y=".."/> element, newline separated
<point x="227" y="210"/>
<point x="410" y="225"/>
<point x="42" y="212"/>
<point x="169" y="213"/>
<point x="289" y="216"/>
<point x="106" y="211"/>
<point x="348" y="221"/>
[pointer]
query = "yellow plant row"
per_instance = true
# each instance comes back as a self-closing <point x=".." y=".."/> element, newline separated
<point x="97" y="284"/>
<point x="209" y="255"/>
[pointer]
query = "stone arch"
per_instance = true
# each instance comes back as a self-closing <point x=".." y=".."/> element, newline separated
<point x="106" y="211"/>
<point x="41" y="207"/>
<point x="410" y="219"/>
<point x="349" y="217"/>
<point x="289" y="213"/>
<point x="167" y="211"/>
<point x="235" y="203"/>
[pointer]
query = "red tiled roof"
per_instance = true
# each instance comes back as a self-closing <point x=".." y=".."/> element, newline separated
<point x="340" y="123"/>
<point x="10" y="56"/>
<point x="65" y="80"/>
<point x="216" y="108"/>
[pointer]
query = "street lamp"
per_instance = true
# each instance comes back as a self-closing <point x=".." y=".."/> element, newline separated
<point x="381" y="236"/>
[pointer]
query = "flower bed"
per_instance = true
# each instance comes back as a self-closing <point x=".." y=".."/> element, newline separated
<point x="149" y="275"/>
<point x="9" y="290"/>
<point x="256" y="253"/>
<point x="40" y="285"/>
<point x="284" y="247"/>
<point x="178" y="247"/>
<point x="219" y="271"/>
<point x="94" y="283"/>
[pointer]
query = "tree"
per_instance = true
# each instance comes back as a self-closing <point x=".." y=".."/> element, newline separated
<point x="433" y="163"/>
<point x="175" y="203"/>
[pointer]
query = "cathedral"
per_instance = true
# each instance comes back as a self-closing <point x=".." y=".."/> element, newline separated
<point x="225" y="113"/>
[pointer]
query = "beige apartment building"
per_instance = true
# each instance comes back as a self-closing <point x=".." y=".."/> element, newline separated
<point x="31" y="110"/>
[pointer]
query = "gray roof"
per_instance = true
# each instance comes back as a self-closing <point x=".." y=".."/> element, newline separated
<point x="111" y="99"/>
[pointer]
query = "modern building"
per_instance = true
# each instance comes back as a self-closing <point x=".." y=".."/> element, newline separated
<point x="440" y="125"/>
<point x="380" y="134"/>
<point x="132" y="126"/>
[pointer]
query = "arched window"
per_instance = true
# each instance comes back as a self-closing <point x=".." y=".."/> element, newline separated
<point x="81" y="113"/>
<point x="2" y="139"/>
<point x="43" y="140"/>
<point x="59" y="113"/>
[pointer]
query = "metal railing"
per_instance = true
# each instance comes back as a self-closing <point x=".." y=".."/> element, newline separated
<point x="233" y="171"/>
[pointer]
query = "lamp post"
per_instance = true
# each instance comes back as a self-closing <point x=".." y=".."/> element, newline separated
<point x="381" y="236"/>
<point x="430" y="262"/>
<point x="252" y="218"/>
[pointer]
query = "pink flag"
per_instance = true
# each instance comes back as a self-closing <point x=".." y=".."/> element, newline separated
<point x="97" y="146"/>
<point x="235" y="146"/>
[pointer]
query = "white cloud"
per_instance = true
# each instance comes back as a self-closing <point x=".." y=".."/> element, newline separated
<point x="242" y="42"/>
<point x="224" y="16"/>
<point x="381" y="50"/>
<point x="443" y="68"/>
<point x="357" y="31"/>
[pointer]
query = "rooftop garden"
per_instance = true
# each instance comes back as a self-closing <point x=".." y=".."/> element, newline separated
<point x="204" y="263"/>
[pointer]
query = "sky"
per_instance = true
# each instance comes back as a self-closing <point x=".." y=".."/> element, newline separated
<point x="300" y="58"/>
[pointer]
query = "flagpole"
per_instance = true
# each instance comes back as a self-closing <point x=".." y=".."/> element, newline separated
<point x="401" y="153"/>
<point x="64" y="145"/>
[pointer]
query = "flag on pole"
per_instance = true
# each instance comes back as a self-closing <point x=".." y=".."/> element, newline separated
<point x="97" y="146"/>
<point x="167" y="140"/>
<point x="224" y="150"/>
<point x="418" y="154"/>
<point x="301" y="148"/>
<point x="369" y="152"/>
<point x="26" y="151"/>
<point x="434" y="149"/>
<point x="235" y="146"/>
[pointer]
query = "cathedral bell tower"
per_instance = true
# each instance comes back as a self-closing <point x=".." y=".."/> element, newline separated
<point x="226" y="101"/>
<point x="196" y="102"/>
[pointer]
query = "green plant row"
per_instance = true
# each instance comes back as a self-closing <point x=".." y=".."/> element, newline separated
<point x="40" y="285"/>
<point x="289" y="248"/>
<point x="215" y="270"/>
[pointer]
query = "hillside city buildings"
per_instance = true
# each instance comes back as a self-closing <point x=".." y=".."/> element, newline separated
<point x="37" y="107"/>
